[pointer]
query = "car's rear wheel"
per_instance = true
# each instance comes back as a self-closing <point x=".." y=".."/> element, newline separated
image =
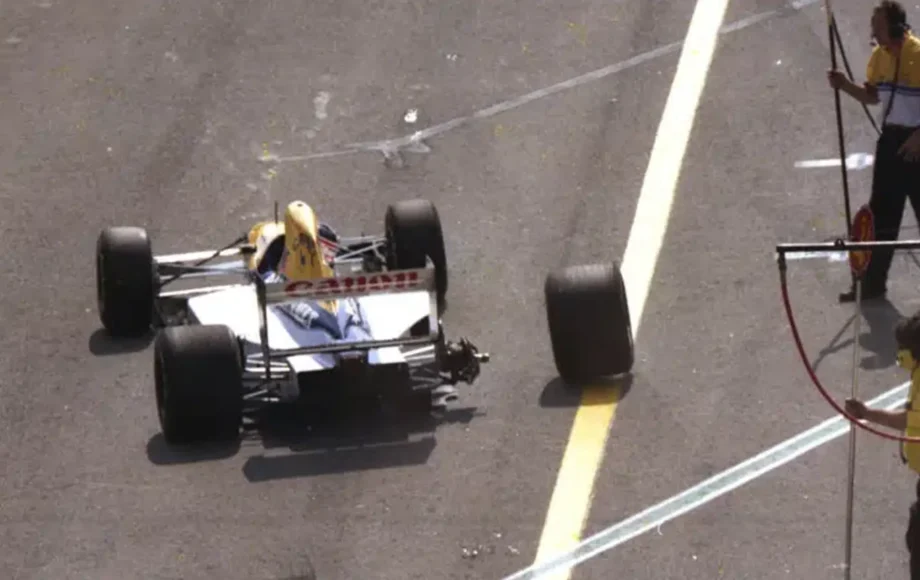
<point x="589" y="323"/>
<point x="413" y="231"/>
<point x="125" y="281"/>
<point x="198" y="373"/>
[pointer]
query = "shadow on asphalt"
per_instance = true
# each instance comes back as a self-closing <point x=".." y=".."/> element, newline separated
<point x="161" y="453"/>
<point x="881" y="316"/>
<point x="558" y="393"/>
<point x="301" y="569"/>
<point x="333" y="442"/>
<point x="101" y="344"/>
<point x="348" y="441"/>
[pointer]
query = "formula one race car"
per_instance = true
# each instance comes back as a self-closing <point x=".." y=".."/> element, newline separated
<point x="317" y="319"/>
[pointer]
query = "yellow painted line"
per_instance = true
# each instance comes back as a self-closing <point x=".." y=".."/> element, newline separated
<point x="572" y="495"/>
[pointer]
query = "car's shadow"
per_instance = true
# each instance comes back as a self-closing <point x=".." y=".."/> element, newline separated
<point x="311" y="444"/>
<point x="347" y="441"/>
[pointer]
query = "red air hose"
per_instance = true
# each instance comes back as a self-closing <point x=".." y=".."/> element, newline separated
<point x="814" y="377"/>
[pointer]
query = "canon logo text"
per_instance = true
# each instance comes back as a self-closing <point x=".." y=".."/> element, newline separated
<point x="350" y="284"/>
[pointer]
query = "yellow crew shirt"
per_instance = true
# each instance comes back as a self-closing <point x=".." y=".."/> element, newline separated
<point x="911" y="451"/>
<point x="903" y="87"/>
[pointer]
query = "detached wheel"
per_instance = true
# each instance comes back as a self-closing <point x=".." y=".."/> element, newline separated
<point x="125" y="286"/>
<point x="413" y="231"/>
<point x="198" y="372"/>
<point x="589" y="325"/>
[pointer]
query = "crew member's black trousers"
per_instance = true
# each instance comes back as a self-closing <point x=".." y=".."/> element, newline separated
<point x="894" y="180"/>
<point x="913" y="537"/>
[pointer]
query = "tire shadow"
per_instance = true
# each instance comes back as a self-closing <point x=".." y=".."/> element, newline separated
<point x="557" y="393"/>
<point x="101" y="344"/>
<point x="161" y="453"/>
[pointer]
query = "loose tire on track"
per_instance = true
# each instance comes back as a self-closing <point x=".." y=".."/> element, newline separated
<point x="198" y="372"/>
<point x="589" y="323"/>
<point x="125" y="284"/>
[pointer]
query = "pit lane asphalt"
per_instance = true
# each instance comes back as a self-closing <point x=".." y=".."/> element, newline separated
<point x="156" y="115"/>
<point x="718" y="378"/>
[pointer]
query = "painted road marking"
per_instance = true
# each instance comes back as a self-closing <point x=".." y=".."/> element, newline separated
<point x="414" y="140"/>
<point x="705" y="491"/>
<point x="571" y="498"/>
<point x="855" y="162"/>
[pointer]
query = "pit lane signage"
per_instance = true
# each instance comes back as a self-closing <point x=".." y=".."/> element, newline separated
<point x="863" y="230"/>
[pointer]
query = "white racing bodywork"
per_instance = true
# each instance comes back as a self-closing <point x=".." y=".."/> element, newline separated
<point x="388" y="316"/>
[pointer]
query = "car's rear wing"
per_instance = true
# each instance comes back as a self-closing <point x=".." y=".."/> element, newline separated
<point x="362" y="284"/>
<point x="347" y="286"/>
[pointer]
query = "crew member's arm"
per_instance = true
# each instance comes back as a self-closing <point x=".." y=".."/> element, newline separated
<point x="865" y="93"/>
<point x="896" y="420"/>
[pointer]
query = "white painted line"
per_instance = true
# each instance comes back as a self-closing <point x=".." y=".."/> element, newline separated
<point x="706" y="491"/>
<point x="390" y="146"/>
<point x="855" y="162"/>
<point x="656" y="197"/>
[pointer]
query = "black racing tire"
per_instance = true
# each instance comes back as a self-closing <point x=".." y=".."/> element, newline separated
<point x="125" y="281"/>
<point x="198" y="373"/>
<point x="413" y="232"/>
<point x="589" y="323"/>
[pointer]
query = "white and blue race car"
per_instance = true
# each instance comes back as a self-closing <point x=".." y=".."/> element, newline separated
<point x="317" y="319"/>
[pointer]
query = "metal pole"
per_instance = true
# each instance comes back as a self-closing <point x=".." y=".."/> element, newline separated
<point x="841" y="245"/>
<point x="831" y="24"/>
<point x="851" y="475"/>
